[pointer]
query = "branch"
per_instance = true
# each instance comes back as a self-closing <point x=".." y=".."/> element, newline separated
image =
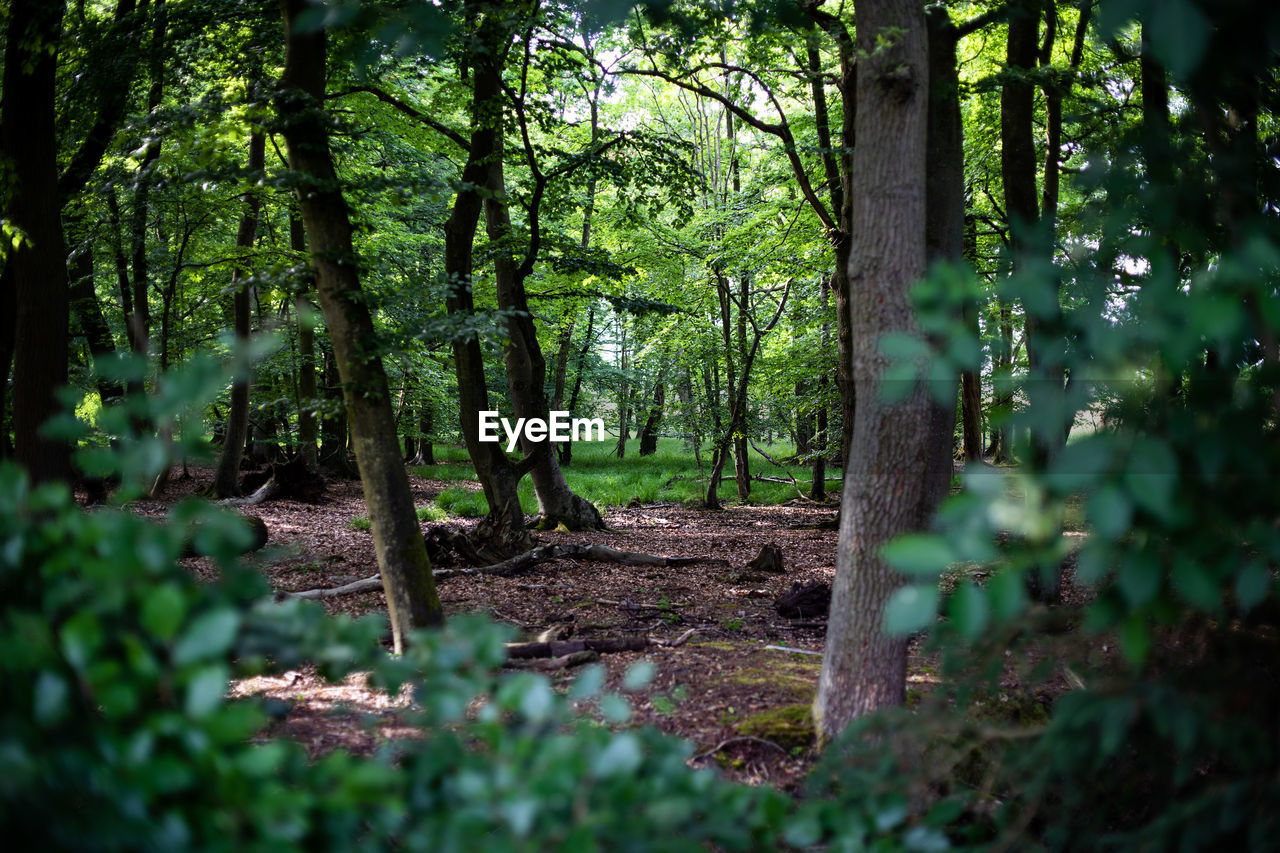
<point x="387" y="98"/>
<point x="781" y="130"/>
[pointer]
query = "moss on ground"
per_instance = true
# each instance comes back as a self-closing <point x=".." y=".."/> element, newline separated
<point x="789" y="726"/>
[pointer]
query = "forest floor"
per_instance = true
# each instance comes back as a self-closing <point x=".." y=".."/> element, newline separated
<point x="742" y="705"/>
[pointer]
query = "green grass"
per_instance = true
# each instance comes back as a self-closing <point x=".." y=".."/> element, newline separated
<point x="427" y="512"/>
<point x="598" y="475"/>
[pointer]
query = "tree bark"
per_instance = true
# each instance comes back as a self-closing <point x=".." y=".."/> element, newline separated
<point x="503" y="528"/>
<point x="649" y="432"/>
<point x="864" y="669"/>
<point x="226" y="479"/>
<point x="402" y="557"/>
<point x="37" y="269"/>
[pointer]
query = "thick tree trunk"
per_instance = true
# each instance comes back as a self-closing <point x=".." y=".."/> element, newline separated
<point x="38" y="268"/>
<point x="864" y="669"/>
<point x="401" y="553"/>
<point x="565" y="451"/>
<point x="944" y="231"/>
<point x="226" y="479"/>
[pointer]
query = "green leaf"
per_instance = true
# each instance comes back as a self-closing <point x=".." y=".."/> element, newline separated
<point x="969" y="610"/>
<point x="1252" y="585"/>
<point x="51" y="692"/>
<point x="621" y="757"/>
<point x="1139" y="579"/>
<point x="918" y="554"/>
<point x="163" y="611"/>
<point x="210" y="635"/>
<point x="638" y="675"/>
<point x="1178" y="33"/>
<point x="910" y="609"/>
<point x="589" y="682"/>
<point x="1109" y="512"/>
<point x="1196" y="585"/>
<point x="205" y="690"/>
<point x="1135" y="639"/>
<point x="1008" y="594"/>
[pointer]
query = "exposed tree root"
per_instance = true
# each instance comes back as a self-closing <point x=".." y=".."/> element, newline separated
<point x="292" y="479"/>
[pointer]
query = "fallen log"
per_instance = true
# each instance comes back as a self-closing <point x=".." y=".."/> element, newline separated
<point x="292" y="479"/>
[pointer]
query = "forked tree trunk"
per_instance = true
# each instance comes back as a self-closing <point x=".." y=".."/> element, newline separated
<point x="863" y="669"/>
<point x="226" y="479"/>
<point x="37" y="269"/>
<point x="503" y="528"/>
<point x="401" y="553"/>
<point x="527" y="369"/>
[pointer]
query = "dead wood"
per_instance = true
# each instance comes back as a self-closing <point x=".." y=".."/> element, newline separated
<point x="557" y="663"/>
<point x="809" y="599"/>
<point x="768" y="560"/>
<point x="256" y="525"/>
<point x="292" y="480"/>
<point x="520" y="563"/>
<point x="561" y="649"/>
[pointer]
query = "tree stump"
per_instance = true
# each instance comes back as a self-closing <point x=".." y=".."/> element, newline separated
<point x="768" y="560"/>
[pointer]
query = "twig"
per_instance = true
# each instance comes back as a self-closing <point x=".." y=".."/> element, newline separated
<point x="738" y="739"/>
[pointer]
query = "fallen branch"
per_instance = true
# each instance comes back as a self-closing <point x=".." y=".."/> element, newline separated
<point x="739" y="739"/>
<point x="553" y="664"/>
<point x="793" y="651"/>
<point x="520" y="563"/>
<point x="565" y="649"/>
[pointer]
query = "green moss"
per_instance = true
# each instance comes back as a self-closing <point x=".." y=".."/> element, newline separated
<point x="1015" y="708"/>
<point x="790" y="726"/>
<point x="797" y="678"/>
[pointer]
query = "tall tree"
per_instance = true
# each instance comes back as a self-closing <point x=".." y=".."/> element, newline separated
<point x="226" y="479"/>
<point x="402" y="556"/>
<point x="36" y="272"/>
<point x="864" y="669"/>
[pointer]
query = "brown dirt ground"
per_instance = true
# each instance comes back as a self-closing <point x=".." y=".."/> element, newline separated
<point x="704" y="691"/>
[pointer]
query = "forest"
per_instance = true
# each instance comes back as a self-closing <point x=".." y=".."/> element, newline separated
<point x="674" y="425"/>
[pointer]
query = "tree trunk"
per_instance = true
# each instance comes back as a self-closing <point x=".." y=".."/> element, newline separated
<point x="38" y="268"/>
<point x="503" y="528"/>
<point x="307" y="393"/>
<point x="864" y="669"/>
<point x="649" y="432"/>
<point x="401" y="553"/>
<point x="566" y="449"/>
<point x="89" y="320"/>
<point x="226" y="479"/>
<point x="526" y="366"/>
<point x="944" y="231"/>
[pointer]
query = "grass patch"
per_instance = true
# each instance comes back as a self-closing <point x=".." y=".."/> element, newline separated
<point x="360" y="523"/>
<point x="432" y="511"/>
<point x="597" y="474"/>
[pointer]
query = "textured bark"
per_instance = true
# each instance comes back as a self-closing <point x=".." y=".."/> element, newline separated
<point x="526" y="366"/>
<point x="401" y="553"/>
<point x="503" y="528"/>
<point x="944" y="231"/>
<point x="863" y="669"/>
<point x="38" y="268"/>
<point x="226" y="478"/>
<point x="333" y="429"/>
